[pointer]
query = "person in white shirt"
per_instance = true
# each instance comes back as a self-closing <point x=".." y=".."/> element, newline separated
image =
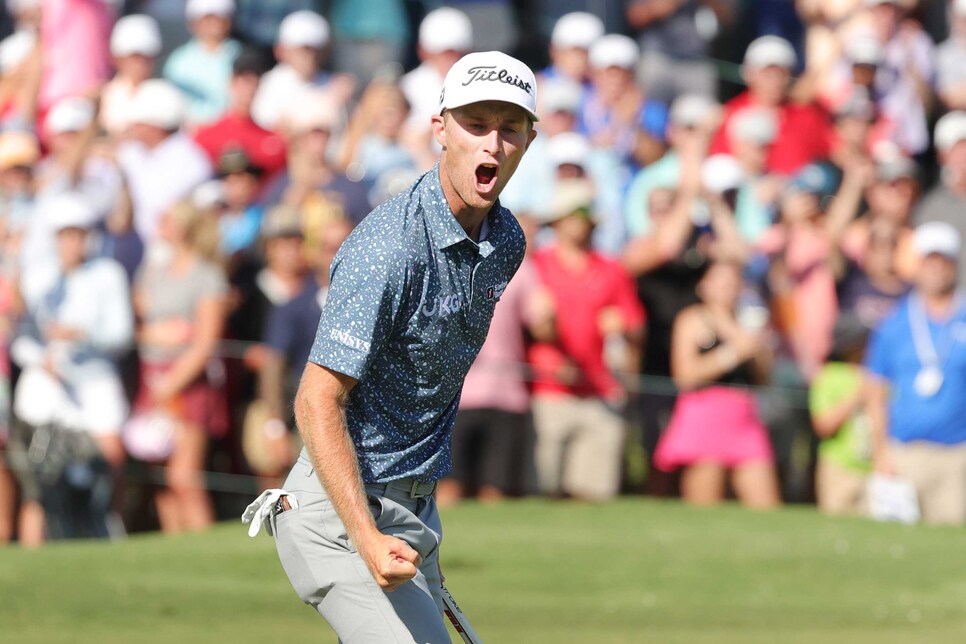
<point x="135" y="46"/>
<point x="79" y="318"/>
<point x="445" y="35"/>
<point x="161" y="164"/>
<point x="303" y="37"/>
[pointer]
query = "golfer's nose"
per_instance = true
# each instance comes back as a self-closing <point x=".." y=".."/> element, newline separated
<point x="491" y="142"/>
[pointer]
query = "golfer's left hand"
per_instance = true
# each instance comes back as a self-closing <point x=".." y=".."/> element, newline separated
<point x="391" y="561"/>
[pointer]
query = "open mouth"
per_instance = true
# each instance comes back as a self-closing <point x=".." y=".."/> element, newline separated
<point x="486" y="174"/>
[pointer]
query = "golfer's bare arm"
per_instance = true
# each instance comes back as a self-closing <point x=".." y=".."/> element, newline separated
<point x="320" y="414"/>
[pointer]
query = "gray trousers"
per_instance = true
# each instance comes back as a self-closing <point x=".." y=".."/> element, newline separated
<point x="329" y="575"/>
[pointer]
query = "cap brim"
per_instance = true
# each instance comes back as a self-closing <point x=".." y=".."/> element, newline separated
<point x="530" y="113"/>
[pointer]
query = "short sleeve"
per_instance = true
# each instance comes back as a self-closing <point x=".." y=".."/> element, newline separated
<point x="365" y="295"/>
<point x="878" y="353"/>
<point x="211" y="281"/>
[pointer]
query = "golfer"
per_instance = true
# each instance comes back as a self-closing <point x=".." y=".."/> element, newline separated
<point x="411" y="297"/>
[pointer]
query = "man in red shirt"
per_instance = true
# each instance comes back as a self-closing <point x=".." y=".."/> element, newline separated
<point x="598" y="320"/>
<point x="236" y="129"/>
<point x="805" y="131"/>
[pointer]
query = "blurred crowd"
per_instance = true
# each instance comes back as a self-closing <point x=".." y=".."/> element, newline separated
<point x="724" y="203"/>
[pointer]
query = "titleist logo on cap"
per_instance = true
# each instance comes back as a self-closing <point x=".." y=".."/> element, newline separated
<point x="491" y="73"/>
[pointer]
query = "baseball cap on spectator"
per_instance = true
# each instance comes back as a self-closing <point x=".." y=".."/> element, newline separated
<point x="18" y="150"/>
<point x="864" y="50"/>
<point x="210" y="194"/>
<point x="721" y="173"/>
<point x="691" y="110"/>
<point x="875" y="3"/>
<point x="15" y="48"/>
<point x="614" y="50"/>
<point x="769" y="51"/>
<point x="858" y="106"/>
<point x="815" y="178"/>
<point x="489" y="76"/>
<point x="136" y="34"/>
<point x="157" y="103"/>
<point x="282" y="221"/>
<point x="446" y="29"/>
<point x="69" y="210"/>
<point x="893" y="167"/>
<point x="753" y="124"/>
<point x="70" y="115"/>
<point x="950" y="130"/>
<point x="250" y="61"/>
<point x="315" y="113"/>
<point x="196" y="9"/>
<point x="939" y="238"/>
<point x="576" y="30"/>
<point x="234" y="161"/>
<point x="568" y="148"/>
<point x="571" y="197"/>
<point x="561" y="95"/>
<point x="303" y="29"/>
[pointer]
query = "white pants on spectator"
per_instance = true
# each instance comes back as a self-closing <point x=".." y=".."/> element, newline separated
<point x="938" y="472"/>
<point x="580" y="443"/>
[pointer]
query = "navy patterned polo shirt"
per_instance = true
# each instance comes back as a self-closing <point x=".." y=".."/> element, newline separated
<point x="409" y="306"/>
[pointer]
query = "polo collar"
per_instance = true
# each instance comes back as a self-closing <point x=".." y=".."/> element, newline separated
<point x="443" y="228"/>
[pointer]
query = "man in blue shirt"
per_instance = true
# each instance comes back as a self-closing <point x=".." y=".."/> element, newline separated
<point x="410" y="300"/>
<point x="917" y="394"/>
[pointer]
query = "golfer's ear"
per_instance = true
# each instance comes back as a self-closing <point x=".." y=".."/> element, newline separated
<point x="439" y="129"/>
<point x="533" y="135"/>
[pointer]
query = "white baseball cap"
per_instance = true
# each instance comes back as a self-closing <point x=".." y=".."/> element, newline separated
<point x="937" y="237"/>
<point x="209" y="194"/>
<point x="489" y="76"/>
<point x="950" y="130"/>
<point x="614" y="50"/>
<point x="561" y="95"/>
<point x="722" y="172"/>
<point x="15" y="48"/>
<point x="136" y="34"/>
<point x="690" y="110"/>
<point x="70" y="115"/>
<point x="446" y="29"/>
<point x="864" y="50"/>
<point x="568" y="148"/>
<point x="768" y="51"/>
<point x="754" y="124"/>
<point x="68" y="210"/>
<point x="157" y="103"/>
<point x="875" y="3"/>
<point x="315" y="112"/>
<point x="303" y="29"/>
<point x="196" y="9"/>
<point x="571" y="196"/>
<point x="578" y="29"/>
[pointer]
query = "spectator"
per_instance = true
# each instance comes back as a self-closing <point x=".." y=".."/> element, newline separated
<point x="241" y="219"/>
<point x="837" y="403"/>
<point x="202" y="67"/>
<point x="445" y="35"/>
<point x="617" y="113"/>
<point x="272" y="442"/>
<point x="492" y="441"/>
<point x="692" y="119"/>
<point x="570" y="42"/>
<point x="675" y="48"/>
<point x="311" y="182"/>
<point x="181" y="305"/>
<point x="860" y="130"/>
<point x="580" y="431"/>
<point x="804" y="131"/>
<point x="945" y="201"/>
<point x="302" y="38"/>
<point x="19" y="152"/>
<point x="751" y="134"/>
<point x="950" y="72"/>
<point x="236" y="129"/>
<point x="158" y="148"/>
<point x="135" y="45"/>
<point x="373" y="143"/>
<point x="916" y="361"/>
<point x="715" y="428"/>
<point x="78" y="320"/>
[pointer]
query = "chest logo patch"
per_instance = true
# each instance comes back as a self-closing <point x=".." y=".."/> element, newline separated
<point x="442" y="306"/>
<point x="495" y="291"/>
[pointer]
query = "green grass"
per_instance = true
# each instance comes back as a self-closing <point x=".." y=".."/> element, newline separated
<point x="532" y="572"/>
